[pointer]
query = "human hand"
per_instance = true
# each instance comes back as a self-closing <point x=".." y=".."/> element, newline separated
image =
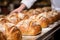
<point x="16" y="10"/>
<point x="19" y="9"/>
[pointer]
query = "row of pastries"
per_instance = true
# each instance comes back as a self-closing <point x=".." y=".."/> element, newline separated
<point x="28" y="23"/>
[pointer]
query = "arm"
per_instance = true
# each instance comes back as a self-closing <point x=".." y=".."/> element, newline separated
<point x="55" y="4"/>
<point x="24" y="4"/>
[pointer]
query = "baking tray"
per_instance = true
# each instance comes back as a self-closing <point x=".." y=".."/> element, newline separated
<point x="46" y="32"/>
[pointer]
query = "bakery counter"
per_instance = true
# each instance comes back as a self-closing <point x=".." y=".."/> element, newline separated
<point x="46" y="34"/>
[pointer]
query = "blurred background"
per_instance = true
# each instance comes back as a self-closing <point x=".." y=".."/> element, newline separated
<point x="7" y="6"/>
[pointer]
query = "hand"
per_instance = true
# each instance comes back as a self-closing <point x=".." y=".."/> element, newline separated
<point x="16" y="10"/>
<point x="19" y="9"/>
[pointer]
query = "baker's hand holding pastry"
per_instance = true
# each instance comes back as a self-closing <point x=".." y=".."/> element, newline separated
<point x="19" y="9"/>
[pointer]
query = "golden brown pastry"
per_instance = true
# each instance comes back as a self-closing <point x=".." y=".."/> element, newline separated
<point x="39" y="10"/>
<point x="36" y="12"/>
<point x="2" y="36"/>
<point x="29" y="28"/>
<point x="24" y="11"/>
<point x="2" y="16"/>
<point x="13" y="18"/>
<point x="58" y="16"/>
<point x="12" y="33"/>
<point x="22" y="16"/>
<point x="16" y="17"/>
<point x="30" y="12"/>
<point x="49" y="16"/>
<point x="46" y="9"/>
<point x="44" y="22"/>
<point x="3" y="20"/>
<point x="53" y="16"/>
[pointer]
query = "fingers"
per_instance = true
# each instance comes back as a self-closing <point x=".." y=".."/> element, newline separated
<point x="16" y="11"/>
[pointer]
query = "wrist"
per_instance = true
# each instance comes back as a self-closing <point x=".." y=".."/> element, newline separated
<point x="22" y="6"/>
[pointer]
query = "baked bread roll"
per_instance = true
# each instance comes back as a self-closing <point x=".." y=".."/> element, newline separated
<point x="29" y="28"/>
<point x="49" y="16"/>
<point x="22" y="16"/>
<point x="2" y="36"/>
<point x="29" y="13"/>
<point x="53" y="16"/>
<point x="39" y="10"/>
<point x="12" y="33"/>
<point x="2" y="32"/>
<point x="13" y="18"/>
<point x="16" y="17"/>
<point x="32" y="12"/>
<point x="35" y="11"/>
<point x="58" y="16"/>
<point x="2" y="16"/>
<point x="44" y="22"/>
<point x="24" y="11"/>
<point x="3" y="20"/>
<point x="46" y="9"/>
